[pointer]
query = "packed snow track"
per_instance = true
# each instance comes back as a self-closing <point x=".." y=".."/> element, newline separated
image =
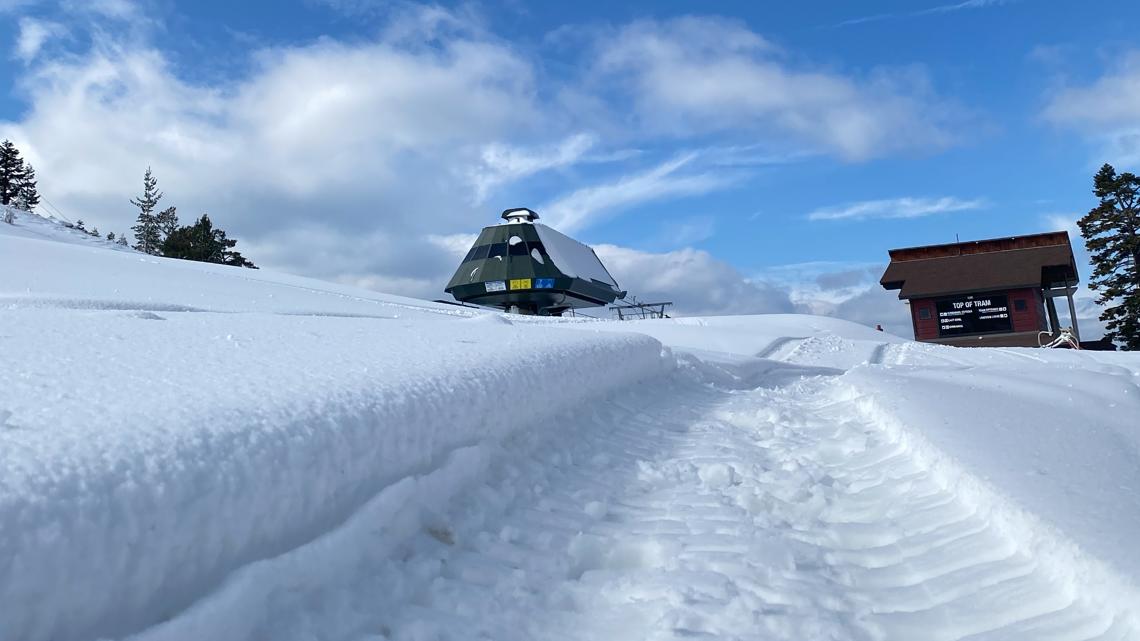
<point x="685" y="508"/>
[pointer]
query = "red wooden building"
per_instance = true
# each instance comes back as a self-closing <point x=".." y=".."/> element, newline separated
<point x="997" y="292"/>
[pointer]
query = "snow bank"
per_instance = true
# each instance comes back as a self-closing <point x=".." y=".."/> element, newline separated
<point x="1059" y="442"/>
<point x="817" y="340"/>
<point x="146" y="455"/>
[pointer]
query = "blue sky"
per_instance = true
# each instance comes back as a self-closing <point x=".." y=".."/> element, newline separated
<point x="734" y="156"/>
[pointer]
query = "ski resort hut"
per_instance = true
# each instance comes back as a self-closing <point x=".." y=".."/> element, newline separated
<point x="526" y="267"/>
<point x="997" y="292"/>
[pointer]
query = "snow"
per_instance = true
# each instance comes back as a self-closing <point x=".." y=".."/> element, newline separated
<point x="28" y="225"/>
<point x="1061" y="439"/>
<point x="572" y="257"/>
<point x="191" y="451"/>
<point x="149" y="453"/>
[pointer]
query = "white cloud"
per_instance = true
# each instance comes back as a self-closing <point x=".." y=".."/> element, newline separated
<point x="693" y="280"/>
<point x="876" y="306"/>
<point x="959" y="6"/>
<point x="700" y="75"/>
<point x="940" y="9"/>
<point x="905" y="207"/>
<point x="501" y="163"/>
<point x="34" y="34"/>
<point x="116" y="9"/>
<point x="404" y="263"/>
<point x="360" y="162"/>
<point x="455" y="244"/>
<point x="669" y="179"/>
<point x="333" y="160"/>
<point x="700" y="285"/>
<point x="1107" y="110"/>
<point x="356" y="136"/>
<point x="1112" y="100"/>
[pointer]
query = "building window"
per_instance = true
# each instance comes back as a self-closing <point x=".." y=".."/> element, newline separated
<point x="1019" y="305"/>
<point x="924" y="313"/>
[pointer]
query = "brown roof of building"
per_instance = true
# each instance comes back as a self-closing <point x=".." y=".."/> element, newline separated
<point x="1038" y="260"/>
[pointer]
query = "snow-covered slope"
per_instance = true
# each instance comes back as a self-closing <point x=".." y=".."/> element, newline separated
<point x="191" y="451"/>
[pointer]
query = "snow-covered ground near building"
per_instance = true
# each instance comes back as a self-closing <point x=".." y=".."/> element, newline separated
<point x="192" y="451"/>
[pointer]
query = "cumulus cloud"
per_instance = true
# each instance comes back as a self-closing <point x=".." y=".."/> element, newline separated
<point x="370" y="141"/>
<point x="695" y="281"/>
<point x="370" y="161"/>
<point x="1106" y="110"/>
<point x="841" y="280"/>
<point x="876" y="306"/>
<point x="707" y="74"/>
<point x="906" y="207"/>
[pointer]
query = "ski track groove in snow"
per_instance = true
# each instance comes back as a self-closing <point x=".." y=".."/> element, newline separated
<point x="780" y="346"/>
<point x="684" y="510"/>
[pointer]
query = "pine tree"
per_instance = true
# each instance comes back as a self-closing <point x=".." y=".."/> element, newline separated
<point x="111" y="236"/>
<point x="194" y="242"/>
<point x="205" y="243"/>
<point x="29" y="195"/>
<point x="122" y="240"/>
<point x="230" y="257"/>
<point x="148" y="238"/>
<point x="12" y="173"/>
<point x="94" y="232"/>
<point x="80" y="226"/>
<point x="1112" y="235"/>
<point x="167" y="221"/>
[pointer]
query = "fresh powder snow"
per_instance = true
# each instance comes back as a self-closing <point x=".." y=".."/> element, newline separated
<point x="194" y="451"/>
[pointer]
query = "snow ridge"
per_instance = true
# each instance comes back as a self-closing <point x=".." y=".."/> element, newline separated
<point x="1084" y="582"/>
<point x="121" y="525"/>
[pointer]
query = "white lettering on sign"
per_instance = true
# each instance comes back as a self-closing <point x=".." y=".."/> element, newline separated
<point x="969" y="315"/>
<point x="968" y="304"/>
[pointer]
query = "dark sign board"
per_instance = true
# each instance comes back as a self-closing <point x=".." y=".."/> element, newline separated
<point x="973" y="314"/>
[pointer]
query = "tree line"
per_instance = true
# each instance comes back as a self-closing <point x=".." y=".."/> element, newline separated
<point x="160" y="234"/>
